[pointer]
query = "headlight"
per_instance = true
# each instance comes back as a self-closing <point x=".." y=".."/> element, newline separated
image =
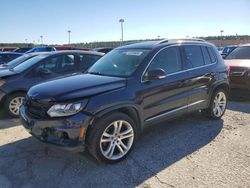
<point x="66" y="109"/>
<point x="2" y="83"/>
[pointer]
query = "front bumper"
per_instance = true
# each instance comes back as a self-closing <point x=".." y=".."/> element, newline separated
<point x="67" y="132"/>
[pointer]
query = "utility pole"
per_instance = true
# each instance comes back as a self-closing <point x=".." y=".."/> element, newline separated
<point x="41" y="39"/>
<point x="121" y="22"/>
<point x="221" y="34"/>
<point x="69" y="36"/>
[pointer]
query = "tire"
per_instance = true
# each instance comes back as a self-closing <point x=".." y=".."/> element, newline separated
<point x="212" y="111"/>
<point x="12" y="102"/>
<point x="101" y="140"/>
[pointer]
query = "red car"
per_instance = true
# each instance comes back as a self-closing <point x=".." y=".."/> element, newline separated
<point x="238" y="62"/>
<point x="59" y="48"/>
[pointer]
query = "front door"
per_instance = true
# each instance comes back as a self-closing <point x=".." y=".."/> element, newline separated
<point x="167" y="97"/>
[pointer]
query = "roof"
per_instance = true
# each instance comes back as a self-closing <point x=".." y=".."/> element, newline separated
<point x="153" y="44"/>
<point x="245" y="44"/>
<point x="70" y="51"/>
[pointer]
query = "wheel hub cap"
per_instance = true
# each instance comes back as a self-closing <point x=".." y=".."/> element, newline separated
<point x="219" y="106"/>
<point x="15" y="105"/>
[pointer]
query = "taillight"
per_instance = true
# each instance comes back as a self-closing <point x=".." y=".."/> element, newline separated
<point x="228" y="70"/>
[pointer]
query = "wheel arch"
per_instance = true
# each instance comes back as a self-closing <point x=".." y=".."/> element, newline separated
<point x="131" y="110"/>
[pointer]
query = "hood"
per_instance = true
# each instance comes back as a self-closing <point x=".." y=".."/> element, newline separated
<point x="75" y="87"/>
<point x="4" y="73"/>
<point x="238" y="62"/>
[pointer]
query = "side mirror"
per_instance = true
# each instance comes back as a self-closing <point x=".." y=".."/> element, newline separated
<point x="224" y="56"/>
<point x="155" y="74"/>
<point x="43" y="71"/>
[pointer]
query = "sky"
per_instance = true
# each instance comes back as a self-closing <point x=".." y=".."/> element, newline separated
<point x="98" y="20"/>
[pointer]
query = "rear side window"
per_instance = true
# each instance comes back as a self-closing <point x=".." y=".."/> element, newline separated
<point x="206" y="55"/>
<point x="168" y="59"/>
<point x="212" y="55"/>
<point x="86" y="61"/>
<point x="194" y="57"/>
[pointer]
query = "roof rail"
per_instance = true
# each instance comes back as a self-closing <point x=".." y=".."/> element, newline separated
<point x="185" y="39"/>
<point x="193" y="39"/>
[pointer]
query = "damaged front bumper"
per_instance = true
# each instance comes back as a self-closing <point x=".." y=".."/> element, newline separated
<point x="67" y="132"/>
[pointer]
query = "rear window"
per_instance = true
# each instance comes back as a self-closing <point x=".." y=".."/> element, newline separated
<point x="194" y="57"/>
<point x="212" y="55"/>
<point x="86" y="61"/>
<point x="240" y="53"/>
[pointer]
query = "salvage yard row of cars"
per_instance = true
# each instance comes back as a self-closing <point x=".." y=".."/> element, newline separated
<point x="87" y="100"/>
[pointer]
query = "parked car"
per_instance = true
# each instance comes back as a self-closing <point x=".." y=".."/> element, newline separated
<point x="19" y="60"/>
<point x="128" y="89"/>
<point x="6" y="57"/>
<point x="21" y="50"/>
<point x="15" y="82"/>
<point x="238" y="62"/>
<point x="41" y="49"/>
<point x="8" y="49"/>
<point x="58" y="48"/>
<point x="103" y="50"/>
<point x="227" y="50"/>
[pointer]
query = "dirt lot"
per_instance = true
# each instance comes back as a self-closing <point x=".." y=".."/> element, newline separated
<point x="188" y="152"/>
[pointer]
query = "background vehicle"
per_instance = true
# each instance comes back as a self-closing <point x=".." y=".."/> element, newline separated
<point x="59" y="48"/>
<point x="128" y="89"/>
<point x="227" y="50"/>
<point x="103" y="50"/>
<point x="15" y="82"/>
<point x="41" y="49"/>
<point x="220" y="49"/>
<point x="21" y="50"/>
<point x="7" y="49"/>
<point x="238" y="62"/>
<point x="6" y="57"/>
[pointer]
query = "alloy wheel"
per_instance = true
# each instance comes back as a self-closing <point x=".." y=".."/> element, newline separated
<point x="15" y="104"/>
<point x="116" y="140"/>
<point x="219" y="105"/>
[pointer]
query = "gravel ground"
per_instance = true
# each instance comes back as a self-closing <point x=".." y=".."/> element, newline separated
<point x="191" y="151"/>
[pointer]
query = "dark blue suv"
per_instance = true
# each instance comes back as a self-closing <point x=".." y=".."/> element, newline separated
<point x="126" y="90"/>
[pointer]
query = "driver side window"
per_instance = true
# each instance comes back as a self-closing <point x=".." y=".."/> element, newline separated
<point x="168" y="59"/>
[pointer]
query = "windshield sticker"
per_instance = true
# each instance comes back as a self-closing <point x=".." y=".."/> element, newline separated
<point x="134" y="53"/>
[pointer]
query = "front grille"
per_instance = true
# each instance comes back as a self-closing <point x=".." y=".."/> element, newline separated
<point x="36" y="109"/>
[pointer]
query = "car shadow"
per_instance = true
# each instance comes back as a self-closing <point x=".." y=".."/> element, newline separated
<point x="239" y="106"/>
<point x="33" y="163"/>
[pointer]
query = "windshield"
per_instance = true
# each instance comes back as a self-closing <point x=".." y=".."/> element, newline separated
<point x="119" y="62"/>
<point x="27" y="64"/>
<point x="240" y="53"/>
<point x="18" y="60"/>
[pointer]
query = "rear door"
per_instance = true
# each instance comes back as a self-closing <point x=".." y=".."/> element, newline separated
<point x="167" y="97"/>
<point x="199" y="67"/>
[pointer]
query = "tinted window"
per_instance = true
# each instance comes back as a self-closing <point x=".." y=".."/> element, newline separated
<point x="194" y="56"/>
<point x="119" y="62"/>
<point x="212" y="55"/>
<point x="60" y="64"/>
<point x="240" y="53"/>
<point x="206" y="55"/>
<point x="87" y="61"/>
<point x="168" y="59"/>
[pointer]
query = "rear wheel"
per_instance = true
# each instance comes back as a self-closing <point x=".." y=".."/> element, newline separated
<point x="218" y="104"/>
<point x="12" y="104"/>
<point x="111" y="139"/>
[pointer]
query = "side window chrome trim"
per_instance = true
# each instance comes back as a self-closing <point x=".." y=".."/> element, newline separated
<point x="178" y="45"/>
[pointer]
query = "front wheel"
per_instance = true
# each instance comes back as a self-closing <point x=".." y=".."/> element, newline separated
<point x="13" y="103"/>
<point x="218" y="104"/>
<point x="111" y="139"/>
